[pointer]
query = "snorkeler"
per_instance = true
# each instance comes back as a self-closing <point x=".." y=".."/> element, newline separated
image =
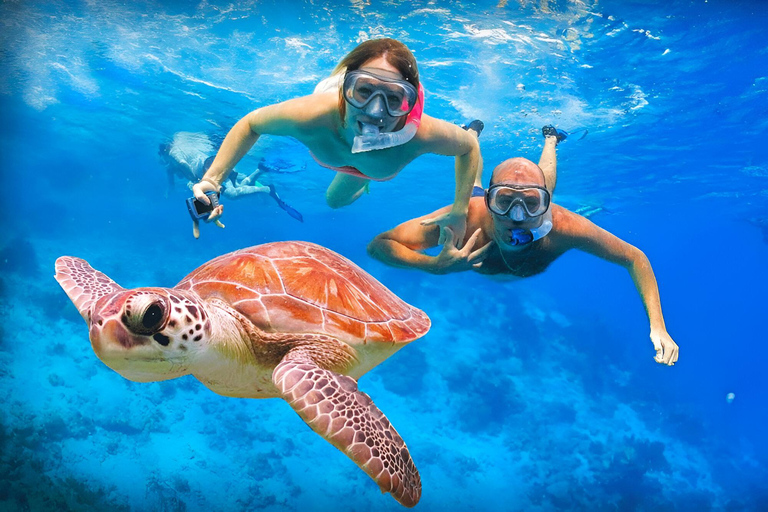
<point x="366" y="123"/>
<point x="519" y="232"/>
<point x="189" y="155"/>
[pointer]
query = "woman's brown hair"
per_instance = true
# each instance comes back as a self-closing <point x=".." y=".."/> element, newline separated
<point x="393" y="50"/>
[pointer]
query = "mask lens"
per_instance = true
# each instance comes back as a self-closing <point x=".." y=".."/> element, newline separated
<point x="360" y="87"/>
<point x="501" y="201"/>
<point x="531" y="200"/>
<point x="363" y="92"/>
<point x="534" y="200"/>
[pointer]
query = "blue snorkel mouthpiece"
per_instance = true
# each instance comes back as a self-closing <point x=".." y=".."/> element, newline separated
<point x="520" y="237"/>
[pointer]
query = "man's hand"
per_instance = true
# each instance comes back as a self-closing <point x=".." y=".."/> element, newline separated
<point x="457" y="223"/>
<point x="199" y="190"/>
<point x="453" y="259"/>
<point x="667" y="350"/>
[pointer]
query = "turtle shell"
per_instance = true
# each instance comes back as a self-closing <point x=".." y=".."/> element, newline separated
<point x="303" y="287"/>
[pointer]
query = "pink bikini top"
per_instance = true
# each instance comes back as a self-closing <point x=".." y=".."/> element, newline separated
<point x="352" y="171"/>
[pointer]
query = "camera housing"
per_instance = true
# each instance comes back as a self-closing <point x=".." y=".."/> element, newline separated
<point x="199" y="210"/>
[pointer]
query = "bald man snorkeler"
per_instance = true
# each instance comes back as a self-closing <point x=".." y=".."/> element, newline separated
<point x="518" y="233"/>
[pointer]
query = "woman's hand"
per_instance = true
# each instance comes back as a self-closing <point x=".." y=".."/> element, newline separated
<point x="452" y="259"/>
<point x="667" y="350"/>
<point x="199" y="189"/>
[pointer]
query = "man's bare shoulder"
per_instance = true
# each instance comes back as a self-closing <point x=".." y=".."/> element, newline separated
<point x="566" y="222"/>
<point x="477" y="211"/>
<point x="572" y="230"/>
<point x="478" y="217"/>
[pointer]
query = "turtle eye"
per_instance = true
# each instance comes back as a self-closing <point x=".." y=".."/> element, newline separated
<point x="153" y="317"/>
<point x="146" y="317"/>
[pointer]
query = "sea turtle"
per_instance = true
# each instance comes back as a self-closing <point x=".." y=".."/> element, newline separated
<point x="288" y="319"/>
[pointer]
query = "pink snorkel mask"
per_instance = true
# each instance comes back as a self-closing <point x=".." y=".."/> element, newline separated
<point x="398" y="97"/>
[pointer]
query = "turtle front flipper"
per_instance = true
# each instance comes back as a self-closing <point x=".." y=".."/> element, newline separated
<point x="83" y="284"/>
<point x="347" y="418"/>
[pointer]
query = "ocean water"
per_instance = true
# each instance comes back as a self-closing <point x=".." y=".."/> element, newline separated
<point x="539" y="394"/>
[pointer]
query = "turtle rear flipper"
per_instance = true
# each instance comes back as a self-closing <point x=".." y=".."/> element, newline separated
<point x="84" y="285"/>
<point x="347" y="418"/>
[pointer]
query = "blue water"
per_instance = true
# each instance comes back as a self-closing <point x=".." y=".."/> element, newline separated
<point x="540" y="394"/>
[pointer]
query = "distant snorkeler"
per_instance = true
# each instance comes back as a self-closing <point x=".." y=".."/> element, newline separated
<point x="190" y="154"/>
<point x="519" y="232"/>
<point x="366" y="123"/>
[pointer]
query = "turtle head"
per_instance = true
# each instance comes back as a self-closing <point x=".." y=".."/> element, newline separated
<point x="149" y="334"/>
<point x="144" y="334"/>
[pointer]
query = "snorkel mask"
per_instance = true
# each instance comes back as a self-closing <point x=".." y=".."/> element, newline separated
<point x="521" y="203"/>
<point x="380" y="96"/>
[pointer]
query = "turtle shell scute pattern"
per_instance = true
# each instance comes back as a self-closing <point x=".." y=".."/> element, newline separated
<point x="303" y="287"/>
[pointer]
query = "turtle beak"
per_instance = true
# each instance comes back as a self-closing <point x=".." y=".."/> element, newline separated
<point x="111" y="336"/>
<point x="94" y="333"/>
<point x="125" y="353"/>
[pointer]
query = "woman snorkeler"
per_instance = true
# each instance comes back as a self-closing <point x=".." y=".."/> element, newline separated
<point x="365" y="122"/>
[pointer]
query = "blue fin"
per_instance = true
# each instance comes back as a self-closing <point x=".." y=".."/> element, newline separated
<point x="288" y="209"/>
<point x="551" y="131"/>
<point x="476" y="125"/>
<point x="583" y="131"/>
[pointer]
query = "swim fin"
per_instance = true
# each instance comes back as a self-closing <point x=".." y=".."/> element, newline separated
<point x="583" y="131"/>
<point x="476" y="125"/>
<point x="288" y="209"/>
<point x="551" y="131"/>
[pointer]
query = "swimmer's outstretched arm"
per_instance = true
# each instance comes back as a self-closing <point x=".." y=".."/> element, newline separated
<point x="236" y="144"/>
<point x="444" y="138"/>
<point x="401" y="246"/>
<point x="592" y="239"/>
<point x="287" y="118"/>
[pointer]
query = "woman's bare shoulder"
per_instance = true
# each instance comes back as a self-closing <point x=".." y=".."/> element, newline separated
<point x="295" y="115"/>
<point x="442" y="137"/>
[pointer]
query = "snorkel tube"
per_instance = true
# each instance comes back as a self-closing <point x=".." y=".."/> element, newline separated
<point x="372" y="139"/>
